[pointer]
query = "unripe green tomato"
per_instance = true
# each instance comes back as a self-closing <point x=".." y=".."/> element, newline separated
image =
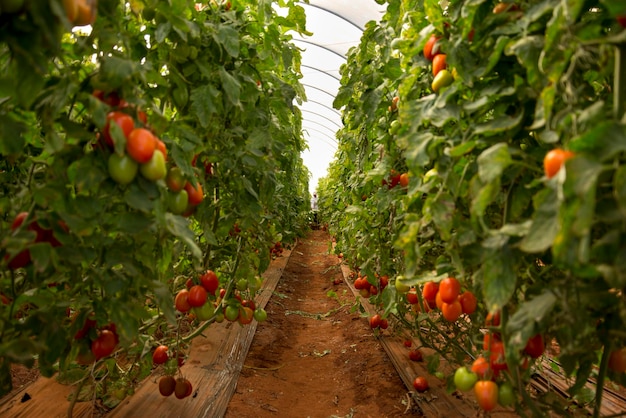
<point x="260" y="315"/>
<point x="506" y="396"/>
<point x="122" y="169"/>
<point x="204" y="312"/>
<point x="219" y="317"/>
<point x="178" y="202"/>
<point x="242" y="284"/>
<point x="394" y="127"/>
<point x="464" y="379"/>
<point x="231" y="313"/>
<point x="401" y="287"/>
<point x="442" y="79"/>
<point x="155" y="169"/>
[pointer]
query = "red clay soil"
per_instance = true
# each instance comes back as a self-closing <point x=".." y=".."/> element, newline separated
<point x="314" y="357"/>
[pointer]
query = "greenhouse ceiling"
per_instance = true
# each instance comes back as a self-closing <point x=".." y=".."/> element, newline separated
<point x="336" y="26"/>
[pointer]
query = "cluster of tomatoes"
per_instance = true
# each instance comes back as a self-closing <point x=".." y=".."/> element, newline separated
<point x="202" y="300"/>
<point x="485" y="372"/>
<point x="276" y="250"/>
<point x="367" y="289"/>
<point x="142" y="152"/>
<point x="395" y="179"/>
<point x="95" y="343"/>
<point x="181" y="387"/>
<point x="168" y="385"/>
<point x="432" y="52"/>
<point x="445" y="296"/>
<point x="42" y="235"/>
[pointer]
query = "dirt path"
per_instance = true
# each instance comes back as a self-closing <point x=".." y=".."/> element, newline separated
<point x="313" y="357"/>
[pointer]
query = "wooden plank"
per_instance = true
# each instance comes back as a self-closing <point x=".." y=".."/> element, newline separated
<point x="436" y="402"/>
<point x="213" y="368"/>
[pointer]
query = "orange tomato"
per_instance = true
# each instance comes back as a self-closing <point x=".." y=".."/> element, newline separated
<point x="140" y="145"/>
<point x="481" y="367"/>
<point x="160" y="145"/>
<point x="486" y="393"/>
<point x="195" y="194"/>
<point x="468" y="302"/>
<point x="452" y="311"/>
<point x="429" y="292"/>
<point x="449" y="289"/>
<point x="438" y="300"/>
<point x="431" y="48"/>
<point x="86" y="12"/>
<point x="439" y="63"/>
<point x="404" y="179"/>
<point x="554" y="160"/>
<point x="617" y="360"/>
<point x="121" y="119"/>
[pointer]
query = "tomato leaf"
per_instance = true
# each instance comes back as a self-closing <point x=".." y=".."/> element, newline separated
<point x="545" y="224"/>
<point x="177" y="226"/>
<point x="527" y="320"/>
<point x="228" y="37"/>
<point x="231" y="87"/>
<point x="493" y="161"/>
<point x="203" y="104"/>
<point x="498" y="278"/>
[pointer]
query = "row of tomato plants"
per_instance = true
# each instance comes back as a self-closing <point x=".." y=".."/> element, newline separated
<point x="483" y="146"/>
<point x="154" y="151"/>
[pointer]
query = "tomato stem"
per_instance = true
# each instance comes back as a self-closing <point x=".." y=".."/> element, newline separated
<point x="619" y="81"/>
<point x="604" y="365"/>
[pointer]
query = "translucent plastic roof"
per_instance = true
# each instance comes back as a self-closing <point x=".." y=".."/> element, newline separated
<point x="337" y="26"/>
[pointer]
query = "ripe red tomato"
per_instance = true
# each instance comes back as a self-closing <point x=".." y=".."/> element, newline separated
<point x="183" y="388"/>
<point x="480" y="366"/>
<point x="493" y="319"/>
<point x="140" y="145"/>
<point x="404" y="180"/>
<point x="384" y="324"/>
<point x="160" y="145"/>
<point x="621" y="19"/>
<point x="429" y="292"/>
<point x="486" y="393"/>
<point x="175" y="179"/>
<point x="439" y="63"/>
<point x="197" y="296"/>
<point x="451" y="311"/>
<point x="617" y="360"/>
<point x="411" y="296"/>
<point x="167" y="384"/>
<point x="195" y="194"/>
<point x="104" y="345"/>
<point x="210" y="281"/>
<point x="181" y="302"/>
<point x="420" y="384"/>
<point x="160" y="354"/>
<point x="375" y="321"/>
<point x="488" y="337"/>
<point x="468" y="302"/>
<point x="416" y="355"/>
<point x="535" y="346"/>
<point x="438" y="301"/>
<point x="498" y="361"/>
<point x="449" y="289"/>
<point x="408" y="343"/>
<point x="384" y="281"/>
<point x="431" y="48"/>
<point x="121" y="119"/>
<point x="373" y="290"/>
<point x="554" y="160"/>
<point x="246" y="315"/>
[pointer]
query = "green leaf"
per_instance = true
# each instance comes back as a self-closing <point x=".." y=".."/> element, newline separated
<point x="117" y="71"/>
<point x="178" y="226"/>
<point x="441" y="209"/>
<point x="525" y="322"/>
<point x="11" y="135"/>
<point x="603" y="141"/>
<point x="545" y="223"/>
<point x="228" y="37"/>
<point x="231" y="87"/>
<point x="498" y="278"/>
<point x="203" y="104"/>
<point x="493" y="161"/>
<point x="619" y="188"/>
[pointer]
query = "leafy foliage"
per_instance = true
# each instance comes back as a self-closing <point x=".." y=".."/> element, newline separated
<point x="544" y="252"/>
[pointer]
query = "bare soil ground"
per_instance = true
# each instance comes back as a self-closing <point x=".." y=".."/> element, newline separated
<point x="315" y="357"/>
